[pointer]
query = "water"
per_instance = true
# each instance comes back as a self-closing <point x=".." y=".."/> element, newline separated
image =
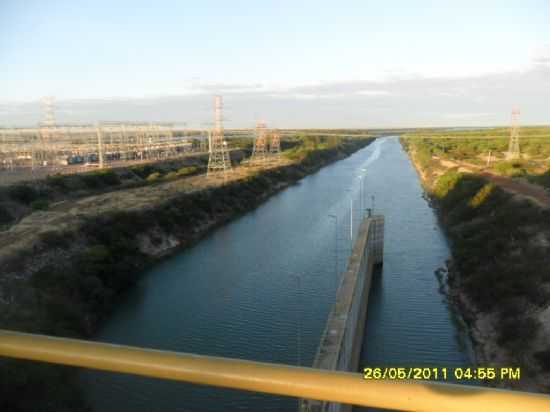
<point x="256" y="287"/>
<point x="408" y="321"/>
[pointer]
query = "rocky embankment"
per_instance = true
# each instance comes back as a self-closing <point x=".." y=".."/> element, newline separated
<point x="499" y="277"/>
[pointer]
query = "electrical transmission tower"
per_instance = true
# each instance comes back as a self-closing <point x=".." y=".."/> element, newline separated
<point x="513" y="147"/>
<point x="48" y="104"/>
<point x="259" y="153"/>
<point x="219" y="160"/>
<point x="275" y="145"/>
<point x="47" y="130"/>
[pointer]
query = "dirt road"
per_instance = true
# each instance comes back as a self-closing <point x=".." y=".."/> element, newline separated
<point x="536" y="193"/>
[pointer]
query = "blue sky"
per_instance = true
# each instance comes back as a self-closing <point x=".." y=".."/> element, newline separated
<point x="328" y="60"/>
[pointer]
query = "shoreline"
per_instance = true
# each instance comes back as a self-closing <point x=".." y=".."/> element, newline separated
<point x="480" y="326"/>
<point x="456" y="299"/>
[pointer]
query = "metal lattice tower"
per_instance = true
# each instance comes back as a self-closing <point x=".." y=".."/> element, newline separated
<point x="513" y="147"/>
<point x="48" y="103"/>
<point x="259" y="153"/>
<point x="275" y="145"/>
<point x="47" y="129"/>
<point x="219" y="160"/>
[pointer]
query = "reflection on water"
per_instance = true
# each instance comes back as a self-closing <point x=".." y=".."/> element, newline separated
<point x="261" y="287"/>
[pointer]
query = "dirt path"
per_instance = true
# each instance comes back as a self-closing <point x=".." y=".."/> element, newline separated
<point x="534" y="192"/>
<point x="529" y="190"/>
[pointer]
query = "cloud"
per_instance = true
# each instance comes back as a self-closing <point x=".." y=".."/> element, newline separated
<point x="226" y="88"/>
<point x="483" y="100"/>
<point x="374" y="93"/>
<point x="469" y="115"/>
<point x="542" y="55"/>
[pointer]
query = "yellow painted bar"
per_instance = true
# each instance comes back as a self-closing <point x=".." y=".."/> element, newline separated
<point x="342" y="387"/>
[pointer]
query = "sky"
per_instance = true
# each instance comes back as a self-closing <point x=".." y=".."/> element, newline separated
<point x="293" y="63"/>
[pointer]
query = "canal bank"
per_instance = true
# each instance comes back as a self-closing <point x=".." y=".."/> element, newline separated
<point x="87" y="253"/>
<point x="498" y="277"/>
<point x="262" y="286"/>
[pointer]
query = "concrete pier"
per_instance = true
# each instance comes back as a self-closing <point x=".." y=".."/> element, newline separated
<point x="342" y="338"/>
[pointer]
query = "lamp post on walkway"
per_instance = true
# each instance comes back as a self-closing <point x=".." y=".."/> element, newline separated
<point x="299" y="332"/>
<point x="299" y="322"/>
<point x="335" y="251"/>
<point x="360" y="177"/>
<point x="364" y="170"/>
<point x="350" y="216"/>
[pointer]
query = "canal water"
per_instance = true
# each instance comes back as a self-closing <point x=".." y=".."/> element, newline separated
<point x="261" y="287"/>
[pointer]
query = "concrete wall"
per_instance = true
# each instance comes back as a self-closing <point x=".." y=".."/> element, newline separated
<point x="340" y="345"/>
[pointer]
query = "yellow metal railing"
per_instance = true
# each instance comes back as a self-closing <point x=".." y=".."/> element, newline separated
<point x="342" y="387"/>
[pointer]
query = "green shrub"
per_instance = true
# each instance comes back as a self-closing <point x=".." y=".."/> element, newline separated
<point x="517" y="331"/>
<point x="100" y="179"/>
<point x="171" y="176"/>
<point x="58" y="181"/>
<point x="513" y="168"/>
<point x="185" y="171"/>
<point x="55" y="239"/>
<point x="446" y="183"/>
<point x="541" y="179"/>
<point x="50" y="279"/>
<point x="95" y="254"/>
<point x="481" y="196"/>
<point x="543" y="357"/>
<point x="5" y="216"/>
<point x="23" y="193"/>
<point x="40" y="205"/>
<point x="153" y="177"/>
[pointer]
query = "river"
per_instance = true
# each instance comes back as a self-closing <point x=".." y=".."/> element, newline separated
<point x="261" y="287"/>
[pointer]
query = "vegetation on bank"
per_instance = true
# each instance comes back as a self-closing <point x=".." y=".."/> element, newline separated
<point x="492" y="234"/>
<point x="99" y="261"/>
<point x="480" y="133"/>
<point x="333" y="132"/>
<point x="500" y="255"/>
<point x="487" y="149"/>
<point x="21" y="199"/>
